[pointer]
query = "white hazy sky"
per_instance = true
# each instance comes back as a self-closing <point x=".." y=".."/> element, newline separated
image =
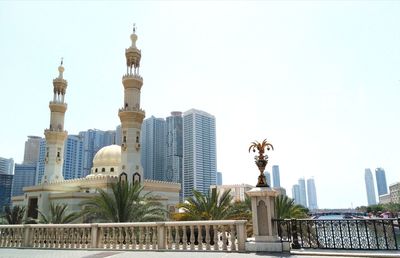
<point x="319" y="80"/>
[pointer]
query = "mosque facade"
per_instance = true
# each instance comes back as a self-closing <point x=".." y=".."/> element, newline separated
<point x="110" y="164"/>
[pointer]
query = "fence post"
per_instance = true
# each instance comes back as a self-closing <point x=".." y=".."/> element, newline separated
<point x="27" y="241"/>
<point x="295" y="244"/>
<point x="160" y="235"/>
<point x="241" y="234"/>
<point x="95" y="235"/>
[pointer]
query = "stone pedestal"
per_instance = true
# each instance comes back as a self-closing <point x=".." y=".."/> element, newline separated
<point x="264" y="230"/>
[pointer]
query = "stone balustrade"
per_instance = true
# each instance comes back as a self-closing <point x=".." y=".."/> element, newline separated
<point x="218" y="235"/>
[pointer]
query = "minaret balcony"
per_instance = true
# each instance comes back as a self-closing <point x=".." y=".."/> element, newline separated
<point x="56" y="106"/>
<point x="130" y="76"/>
<point x="127" y="109"/>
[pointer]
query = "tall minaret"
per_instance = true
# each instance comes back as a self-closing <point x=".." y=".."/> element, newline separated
<point x="131" y="115"/>
<point x="55" y="135"/>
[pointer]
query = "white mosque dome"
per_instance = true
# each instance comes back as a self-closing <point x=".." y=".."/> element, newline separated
<point x="107" y="161"/>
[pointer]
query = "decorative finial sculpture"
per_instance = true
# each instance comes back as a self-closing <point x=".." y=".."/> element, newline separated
<point x="62" y="60"/>
<point x="261" y="160"/>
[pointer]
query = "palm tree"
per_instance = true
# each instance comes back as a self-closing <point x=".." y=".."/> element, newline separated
<point x="214" y="206"/>
<point x="57" y="215"/>
<point x="286" y="208"/>
<point x="125" y="203"/>
<point x="14" y="215"/>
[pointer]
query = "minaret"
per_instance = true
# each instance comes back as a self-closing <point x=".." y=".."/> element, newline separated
<point x="55" y="135"/>
<point x="131" y="116"/>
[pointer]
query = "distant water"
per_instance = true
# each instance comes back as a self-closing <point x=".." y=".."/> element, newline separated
<point x="331" y="217"/>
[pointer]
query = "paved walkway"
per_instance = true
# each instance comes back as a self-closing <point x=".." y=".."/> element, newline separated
<point x="36" y="253"/>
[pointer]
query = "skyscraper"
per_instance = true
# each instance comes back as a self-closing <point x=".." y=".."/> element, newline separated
<point x="73" y="157"/>
<point x="5" y="190"/>
<point x="296" y="193"/>
<point x="6" y="166"/>
<point x="302" y="190"/>
<point x="199" y="148"/>
<point x="381" y="181"/>
<point x="31" y="153"/>
<point x="268" y="177"/>
<point x="24" y="175"/>
<point x="219" y="178"/>
<point x="174" y="139"/>
<point x="369" y="185"/>
<point x="312" y="194"/>
<point x="93" y="141"/>
<point x="275" y="176"/>
<point x="153" y="148"/>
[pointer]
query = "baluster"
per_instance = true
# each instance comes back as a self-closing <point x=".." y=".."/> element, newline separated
<point x="2" y="237"/>
<point x="64" y="237"/>
<point x="40" y="238"/>
<point x="147" y="238"/>
<point x="107" y="237"/>
<point x="101" y="240"/>
<point x="216" y="239"/>
<point x="184" y="238"/>
<point x="233" y="238"/>
<point x="141" y="238"/>
<point x="8" y="237"/>
<point x="154" y="238"/>
<point x="21" y="237"/>
<point x="200" y="237"/>
<point x="207" y="236"/>
<point x="224" y="247"/>
<point x="192" y="239"/>
<point x="170" y="237"/>
<point x="84" y="243"/>
<point x="120" y="238"/>
<point x="177" y="238"/>
<point x="133" y="238"/>
<point x="81" y="235"/>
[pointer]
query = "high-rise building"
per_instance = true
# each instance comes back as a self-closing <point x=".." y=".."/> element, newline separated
<point x="369" y="186"/>
<point x="24" y="175"/>
<point x="200" y="155"/>
<point x="302" y="190"/>
<point x="153" y="144"/>
<point x="5" y="190"/>
<point x="73" y="157"/>
<point x="93" y="141"/>
<point x="312" y="194"/>
<point x="118" y="135"/>
<point x="6" y="166"/>
<point x="268" y="178"/>
<point x="276" y="176"/>
<point x="219" y="178"/>
<point x="40" y="163"/>
<point x="296" y="193"/>
<point x="381" y="181"/>
<point x="31" y="153"/>
<point x="174" y="151"/>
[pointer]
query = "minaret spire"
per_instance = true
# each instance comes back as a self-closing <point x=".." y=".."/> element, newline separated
<point x="55" y="134"/>
<point x="131" y="115"/>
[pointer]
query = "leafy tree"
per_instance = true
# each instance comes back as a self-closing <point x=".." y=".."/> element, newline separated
<point x="125" y="203"/>
<point x="286" y="208"/>
<point x="58" y="215"/>
<point x="213" y="206"/>
<point x="14" y="215"/>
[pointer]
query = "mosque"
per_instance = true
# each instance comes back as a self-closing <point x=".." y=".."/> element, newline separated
<point x="110" y="164"/>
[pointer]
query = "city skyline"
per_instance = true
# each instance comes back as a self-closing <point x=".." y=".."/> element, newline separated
<point x="303" y="80"/>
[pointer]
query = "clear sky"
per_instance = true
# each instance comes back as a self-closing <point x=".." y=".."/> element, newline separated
<point x="319" y="80"/>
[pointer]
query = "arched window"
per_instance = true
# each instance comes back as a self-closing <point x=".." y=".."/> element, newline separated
<point x="136" y="177"/>
<point x="112" y="170"/>
<point x="123" y="177"/>
<point x="124" y="138"/>
<point x="103" y="170"/>
<point x="96" y="170"/>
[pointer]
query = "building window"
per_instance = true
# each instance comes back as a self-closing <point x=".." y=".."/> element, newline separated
<point x="123" y="177"/>
<point x="96" y="170"/>
<point x="112" y="170"/>
<point x="103" y="170"/>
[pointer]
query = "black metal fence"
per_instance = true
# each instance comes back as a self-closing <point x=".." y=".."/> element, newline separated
<point x="356" y="234"/>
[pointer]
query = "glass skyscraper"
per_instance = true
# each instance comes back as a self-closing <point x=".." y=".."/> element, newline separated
<point x="153" y="145"/>
<point x="6" y="166"/>
<point x="276" y="176"/>
<point x="381" y="181"/>
<point x="369" y="186"/>
<point x="302" y="190"/>
<point x="296" y="193"/>
<point x="24" y="175"/>
<point x="199" y="148"/>
<point x="312" y="194"/>
<point x="31" y="153"/>
<point x="174" y="152"/>
<point x="5" y="190"/>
